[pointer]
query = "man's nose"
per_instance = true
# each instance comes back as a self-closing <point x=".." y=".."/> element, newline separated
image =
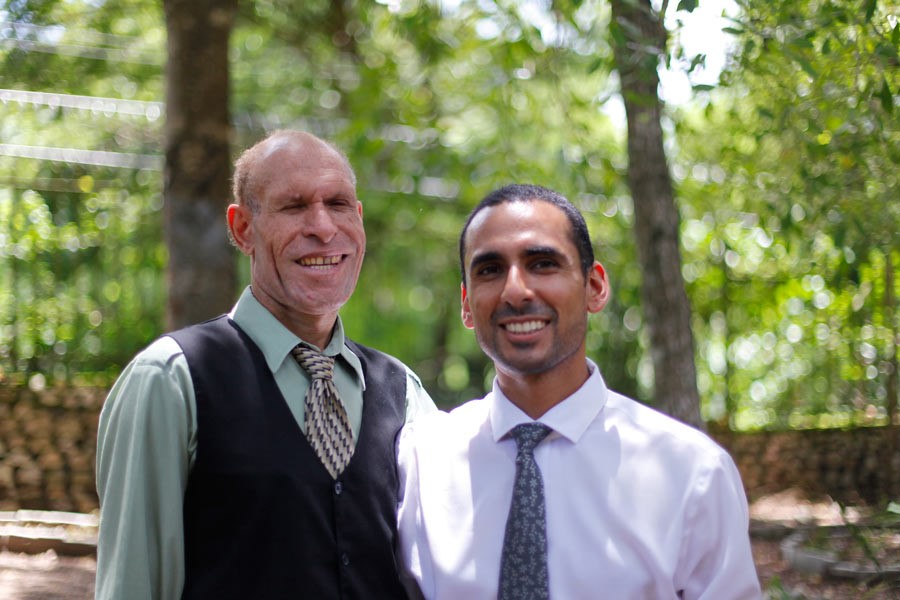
<point x="516" y="289"/>
<point x="319" y="222"/>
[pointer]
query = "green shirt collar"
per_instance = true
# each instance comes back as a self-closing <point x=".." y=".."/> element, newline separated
<point x="276" y="341"/>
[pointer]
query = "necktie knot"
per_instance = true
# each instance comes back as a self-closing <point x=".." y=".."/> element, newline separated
<point x="313" y="362"/>
<point x="529" y="435"/>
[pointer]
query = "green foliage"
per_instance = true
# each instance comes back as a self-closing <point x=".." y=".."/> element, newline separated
<point x="434" y="108"/>
<point x="786" y="179"/>
<point x="790" y="188"/>
<point x="81" y="255"/>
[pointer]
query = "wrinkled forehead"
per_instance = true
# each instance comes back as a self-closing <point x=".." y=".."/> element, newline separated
<point x="296" y="153"/>
<point x="301" y="145"/>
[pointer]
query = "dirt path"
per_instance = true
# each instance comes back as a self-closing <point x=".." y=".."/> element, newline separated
<point x="46" y="577"/>
<point x="50" y="577"/>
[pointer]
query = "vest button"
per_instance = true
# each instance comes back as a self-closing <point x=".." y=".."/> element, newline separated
<point x="345" y="560"/>
<point x="338" y="488"/>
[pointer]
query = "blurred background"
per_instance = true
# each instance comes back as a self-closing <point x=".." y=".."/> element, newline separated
<point x="746" y="208"/>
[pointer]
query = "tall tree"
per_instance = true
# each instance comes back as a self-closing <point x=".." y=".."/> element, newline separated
<point x="639" y="41"/>
<point x="201" y="272"/>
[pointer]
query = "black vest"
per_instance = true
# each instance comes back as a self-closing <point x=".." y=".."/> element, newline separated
<point x="262" y="517"/>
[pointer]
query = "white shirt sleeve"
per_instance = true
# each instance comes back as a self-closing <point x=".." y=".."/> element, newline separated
<point x="414" y="556"/>
<point x="418" y="401"/>
<point x="716" y="561"/>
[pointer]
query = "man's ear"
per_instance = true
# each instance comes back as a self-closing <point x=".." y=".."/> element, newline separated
<point x="597" y="288"/>
<point x="466" y="312"/>
<point x="239" y="220"/>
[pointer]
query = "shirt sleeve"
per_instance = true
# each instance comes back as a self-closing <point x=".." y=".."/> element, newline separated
<point x="418" y="401"/>
<point x="717" y="560"/>
<point x="145" y="441"/>
<point x="413" y="555"/>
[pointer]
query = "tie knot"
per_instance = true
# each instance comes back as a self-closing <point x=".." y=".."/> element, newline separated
<point x="529" y="435"/>
<point x="313" y="362"/>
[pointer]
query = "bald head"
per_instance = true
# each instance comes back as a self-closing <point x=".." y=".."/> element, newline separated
<point x="249" y="175"/>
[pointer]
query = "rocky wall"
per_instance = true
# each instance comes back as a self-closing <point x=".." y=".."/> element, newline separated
<point x="48" y="442"/>
<point x="850" y="465"/>
<point x="47" y="447"/>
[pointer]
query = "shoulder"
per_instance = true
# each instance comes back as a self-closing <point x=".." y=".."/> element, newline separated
<point x="199" y="335"/>
<point x="373" y="356"/>
<point x="446" y="431"/>
<point x="649" y="427"/>
<point x="156" y="378"/>
<point x="162" y="354"/>
<point x="378" y="359"/>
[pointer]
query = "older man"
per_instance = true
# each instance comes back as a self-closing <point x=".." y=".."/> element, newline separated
<point x="253" y="455"/>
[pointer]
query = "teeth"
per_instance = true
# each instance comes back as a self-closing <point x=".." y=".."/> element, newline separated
<point x="319" y="261"/>
<point x="526" y="327"/>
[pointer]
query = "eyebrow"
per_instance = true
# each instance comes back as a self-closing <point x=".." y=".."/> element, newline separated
<point x="484" y="257"/>
<point x="491" y="255"/>
<point x="543" y="251"/>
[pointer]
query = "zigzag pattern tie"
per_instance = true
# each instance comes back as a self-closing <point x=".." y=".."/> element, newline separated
<point x="327" y="426"/>
<point x="523" y="564"/>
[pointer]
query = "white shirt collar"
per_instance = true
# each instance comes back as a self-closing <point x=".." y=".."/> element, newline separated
<point x="570" y="418"/>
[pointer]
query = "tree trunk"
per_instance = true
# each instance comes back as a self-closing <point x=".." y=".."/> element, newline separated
<point x="202" y="275"/>
<point x="639" y="40"/>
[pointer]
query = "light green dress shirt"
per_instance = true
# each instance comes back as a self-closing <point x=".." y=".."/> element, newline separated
<point x="147" y="441"/>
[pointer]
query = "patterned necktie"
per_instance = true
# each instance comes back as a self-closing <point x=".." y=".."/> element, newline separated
<point x="523" y="566"/>
<point x="327" y="426"/>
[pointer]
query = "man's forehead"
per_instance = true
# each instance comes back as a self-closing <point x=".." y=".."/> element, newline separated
<point x="516" y="220"/>
<point x="518" y="229"/>
<point x="301" y="144"/>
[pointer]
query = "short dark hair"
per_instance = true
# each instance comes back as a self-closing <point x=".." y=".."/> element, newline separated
<point x="531" y="193"/>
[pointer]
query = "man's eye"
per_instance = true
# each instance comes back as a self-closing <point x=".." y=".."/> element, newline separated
<point x="339" y="203"/>
<point x="487" y="270"/>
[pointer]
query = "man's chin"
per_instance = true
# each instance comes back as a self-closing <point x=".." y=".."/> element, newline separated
<point x="524" y="366"/>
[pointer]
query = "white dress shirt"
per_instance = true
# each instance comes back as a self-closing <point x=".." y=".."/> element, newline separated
<point x="639" y="506"/>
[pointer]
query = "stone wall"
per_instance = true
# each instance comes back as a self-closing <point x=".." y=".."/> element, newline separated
<point x="48" y="442"/>
<point x="851" y="466"/>
<point x="47" y="448"/>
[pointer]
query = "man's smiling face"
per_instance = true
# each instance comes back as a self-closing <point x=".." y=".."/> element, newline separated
<point x="526" y="295"/>
<point x="305" y="235"/>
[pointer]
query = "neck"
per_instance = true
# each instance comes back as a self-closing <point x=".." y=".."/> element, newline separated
<point x="314" y="329"/>
<point x="536" y="393"/>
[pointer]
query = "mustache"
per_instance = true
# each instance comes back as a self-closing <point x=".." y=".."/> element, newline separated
<point x="508" y="312"/>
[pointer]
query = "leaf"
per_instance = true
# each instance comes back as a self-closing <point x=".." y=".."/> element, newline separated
<point x="886" y="50"/>
<point x="802" y="42"/>
<point x="688" y="5"/>
<point x="698" y="61"/>
<point x="806" y="66"/>
<point x="886" y="97"/>
<point x="871" y="5"/>
<point x="595" y="66"/>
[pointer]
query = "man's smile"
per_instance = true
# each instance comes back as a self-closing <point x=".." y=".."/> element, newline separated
<point x="524" y="326"/>
<point x="321" y="262"/>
